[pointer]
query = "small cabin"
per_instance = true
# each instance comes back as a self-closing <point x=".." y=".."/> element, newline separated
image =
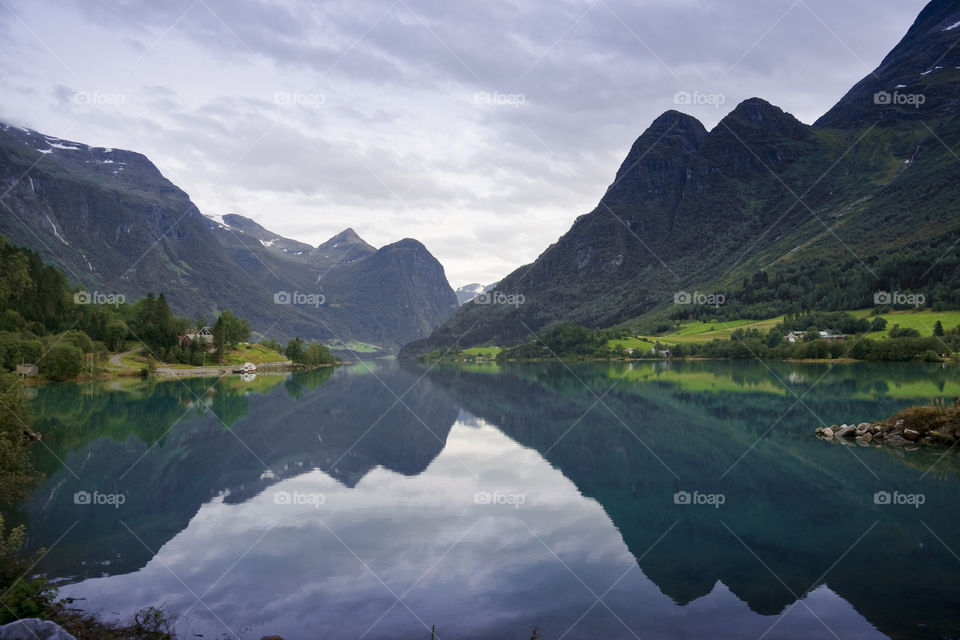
<point x="27" y="370"/>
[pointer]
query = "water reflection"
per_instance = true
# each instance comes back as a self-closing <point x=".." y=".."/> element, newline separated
<point x="385" y="500"/>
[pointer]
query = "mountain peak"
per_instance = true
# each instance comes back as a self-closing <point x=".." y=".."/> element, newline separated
<point x="346" y="237"/>
<point x="915" y="81"/>
<point x="758" y="113"/>
<point x="674" y="118"/>
<point x="659" y="151"/>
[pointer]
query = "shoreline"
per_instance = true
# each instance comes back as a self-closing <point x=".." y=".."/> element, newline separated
<point x="684" y="359"/>
<point x="169" y="373"/>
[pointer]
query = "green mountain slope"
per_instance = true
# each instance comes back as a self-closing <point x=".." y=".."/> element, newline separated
<point x="776" y="214"/>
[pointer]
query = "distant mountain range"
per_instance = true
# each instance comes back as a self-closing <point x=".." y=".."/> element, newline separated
<point x="468" y="292"/>
<point x="776" y="214"/>
<point x="115" y="224"/>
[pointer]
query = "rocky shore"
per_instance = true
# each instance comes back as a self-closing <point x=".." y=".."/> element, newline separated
<point x="923" y="425"/>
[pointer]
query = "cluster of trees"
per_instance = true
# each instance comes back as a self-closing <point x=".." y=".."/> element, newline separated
<point x="21" y="594"/>
<point x="752" y="343"/>
<point x="834" y="285"/>
<point x="903" y="344"/>
<point x="153" y="323"/>
<point x="311" y="354"/>
<point x="41" y="322"/>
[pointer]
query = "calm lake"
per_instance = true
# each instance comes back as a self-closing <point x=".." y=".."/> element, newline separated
<point x="652" y="500"/>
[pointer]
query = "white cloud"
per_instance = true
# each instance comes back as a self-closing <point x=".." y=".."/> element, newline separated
<point x="459" y="124"/>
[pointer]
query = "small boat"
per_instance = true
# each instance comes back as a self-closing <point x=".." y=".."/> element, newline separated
<point x="249" y="367"/>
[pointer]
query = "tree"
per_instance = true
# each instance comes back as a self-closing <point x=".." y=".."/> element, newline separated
<point x="294" y="350"/>
<point x="16" y="421"/>
<point x="115" y="334"/>
<point x="233" y="330"/>
<point x="62" y="362"/>
<point x="938" y="329"/>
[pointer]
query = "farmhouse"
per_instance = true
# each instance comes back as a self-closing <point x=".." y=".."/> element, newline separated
<point x="203" y="338"/>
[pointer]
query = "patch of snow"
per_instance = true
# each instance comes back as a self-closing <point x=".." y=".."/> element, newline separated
<point x="107" y="161"/>
<point x="45" y="150"/>
<point x="55" y="232"/>
<point x="953" y="26"/>
<point x="923" y="73"/>
<point x="900" y="86"/>
<point x="269" y="243"/>
<point x="87" y="261"/>
<point x="67" y="147"/>
<point x="220" y="222"/>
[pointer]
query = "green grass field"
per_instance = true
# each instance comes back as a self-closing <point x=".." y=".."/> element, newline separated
<point x="255" y="353"/>
<point x="922" y="321"/>
<point x="358" y="347"/>
<point x="483" y="352"/>
<point x="694" y="332"/>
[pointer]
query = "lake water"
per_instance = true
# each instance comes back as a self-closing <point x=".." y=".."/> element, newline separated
<point x="652" y="500"/>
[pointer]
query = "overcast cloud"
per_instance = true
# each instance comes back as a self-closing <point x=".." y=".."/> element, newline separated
<point x="483" y="129"/>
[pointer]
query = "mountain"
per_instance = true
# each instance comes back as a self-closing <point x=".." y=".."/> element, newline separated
<point x="370" y="296"/>
<point x="776" y="214"/>
<point x="925" y="63"/>
<point x="115" y="224"/>
<point x="468" y="292"/>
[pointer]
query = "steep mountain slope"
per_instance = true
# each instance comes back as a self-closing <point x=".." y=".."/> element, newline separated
<point x="925" y="63"/>
<point x="114" y="224"/>
<point x="821" y="216"/>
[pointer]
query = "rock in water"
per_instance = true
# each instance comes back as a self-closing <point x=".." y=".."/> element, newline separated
<point x="846" y="431"/>
<point x="33" y="629"/>
<point x="911" y="434"/>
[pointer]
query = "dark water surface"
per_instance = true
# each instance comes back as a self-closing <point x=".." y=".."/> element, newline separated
<point x="377" y="500"/>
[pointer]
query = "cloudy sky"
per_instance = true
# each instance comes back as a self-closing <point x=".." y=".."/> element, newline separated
<point x="480" y="128"/>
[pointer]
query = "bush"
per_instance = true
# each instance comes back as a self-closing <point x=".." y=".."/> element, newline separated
<point x="62" y="362"/>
